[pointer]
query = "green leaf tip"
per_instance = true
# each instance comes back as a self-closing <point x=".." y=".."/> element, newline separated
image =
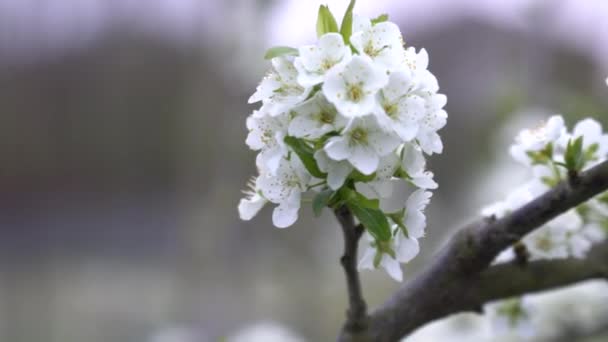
<point x="380" y="19"/>
<point x="277" y="51"/>
<point x="346" y="28"/>
<point x="306" y="154"/>
<point x="326" y="22"/>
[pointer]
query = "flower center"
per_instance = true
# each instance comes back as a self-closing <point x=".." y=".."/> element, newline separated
<point x="359" y="135"/>
<point x="355" y="93"/>
<point x="327" y="64"/>
<point x="544" y="243"/>
<point x="327" y="117"/>
<point x="390" y="109"/>
<point x="370" y="51"/>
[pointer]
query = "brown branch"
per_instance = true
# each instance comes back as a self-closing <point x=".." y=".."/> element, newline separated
<point x="447" y="286"/>
<point x="357" y="320"/>
<point x="509" y="280"/>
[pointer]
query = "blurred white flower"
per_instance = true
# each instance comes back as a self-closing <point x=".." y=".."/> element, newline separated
<point x="532" y="140"/>
<point x="265" y="332"/>
<point x="510" y="316"/>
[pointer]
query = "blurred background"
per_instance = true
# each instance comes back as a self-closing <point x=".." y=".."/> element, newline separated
<point x="122" y="158"/>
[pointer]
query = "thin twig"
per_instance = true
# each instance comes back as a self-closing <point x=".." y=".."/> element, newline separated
<point x="357" y="320"/>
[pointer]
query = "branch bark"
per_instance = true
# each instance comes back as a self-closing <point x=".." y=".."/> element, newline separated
<point x="357" y="320"/>
<point x="461" y="279"/>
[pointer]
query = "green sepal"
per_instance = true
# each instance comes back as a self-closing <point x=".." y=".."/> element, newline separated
<point x="542" y="156"/>
<point x="380" y="19"/>
<point x="277" y="51"/>
<point x="306" y="154"/>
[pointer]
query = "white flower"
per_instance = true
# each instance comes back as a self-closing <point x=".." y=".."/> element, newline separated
<point x="266" y="134"/>
<point x="399" y="109"/>
<point x="362" y="143"/>
<point x="414" y="164"/>
<point x="537" y="139"/>
<point x="433" y="120"/>
<point x="390" y="264"/>
<point x="352" y="87"/>
<point x="405" y="248"/>
<point x="512" y="315"/>
<point x="315" y="60"/>
<point x="415" y="221"/>
<point x="418" y="63"/>
<point x="285" y="189"/>
<point x="552" y="240"/>
<point x="381" y="42"/>
<point x="337" y="171"/>
<point x="279" y="90"/>
<point x="252" y="203"/>
<point x="314" y="118"/>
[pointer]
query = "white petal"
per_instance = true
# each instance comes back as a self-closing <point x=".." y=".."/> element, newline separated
<point x="425" y="181"/>
<point x="395" y="200"/>
<point x="284" y="216"/>
<point x="415" y="222"/>
<point x="249" y="207"/>
<point x="383" y="142"/>
<point x="367" y="260"/>
<point x="338" y="173"/>
<point x="333" y="46"/>
<point x="266" y="88"/>
<point x="430" y="142"/>
<point x="413" y="160"/>
<point x="337" y="148"/>
<point x="364" y="159"/>
<point x="408" y="249"/>
<point x="392" y="267"/>
<point x="366" y="189"/>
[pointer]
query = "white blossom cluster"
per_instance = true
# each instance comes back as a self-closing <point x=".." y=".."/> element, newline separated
<point x="552" y="154"/>
<point x="549" y="152"/>
<point x="348" y="121"/>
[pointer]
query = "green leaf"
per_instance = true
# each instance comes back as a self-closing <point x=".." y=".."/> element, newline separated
<point x="320" y="201"/>
<point x="574" y="157"/>
<point x="398" y="219"/>
<point x="354" y="197"/>
<point x="380" y="19"/>
<point x="542" y="156"/>
<point x="277" y="51"/>
<point x="306" y="154"/>
<point x="359" y="177"/>
<point x="346" y="28"/>
<point x="373" y="220"/>
<point x="326" y="22"/>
